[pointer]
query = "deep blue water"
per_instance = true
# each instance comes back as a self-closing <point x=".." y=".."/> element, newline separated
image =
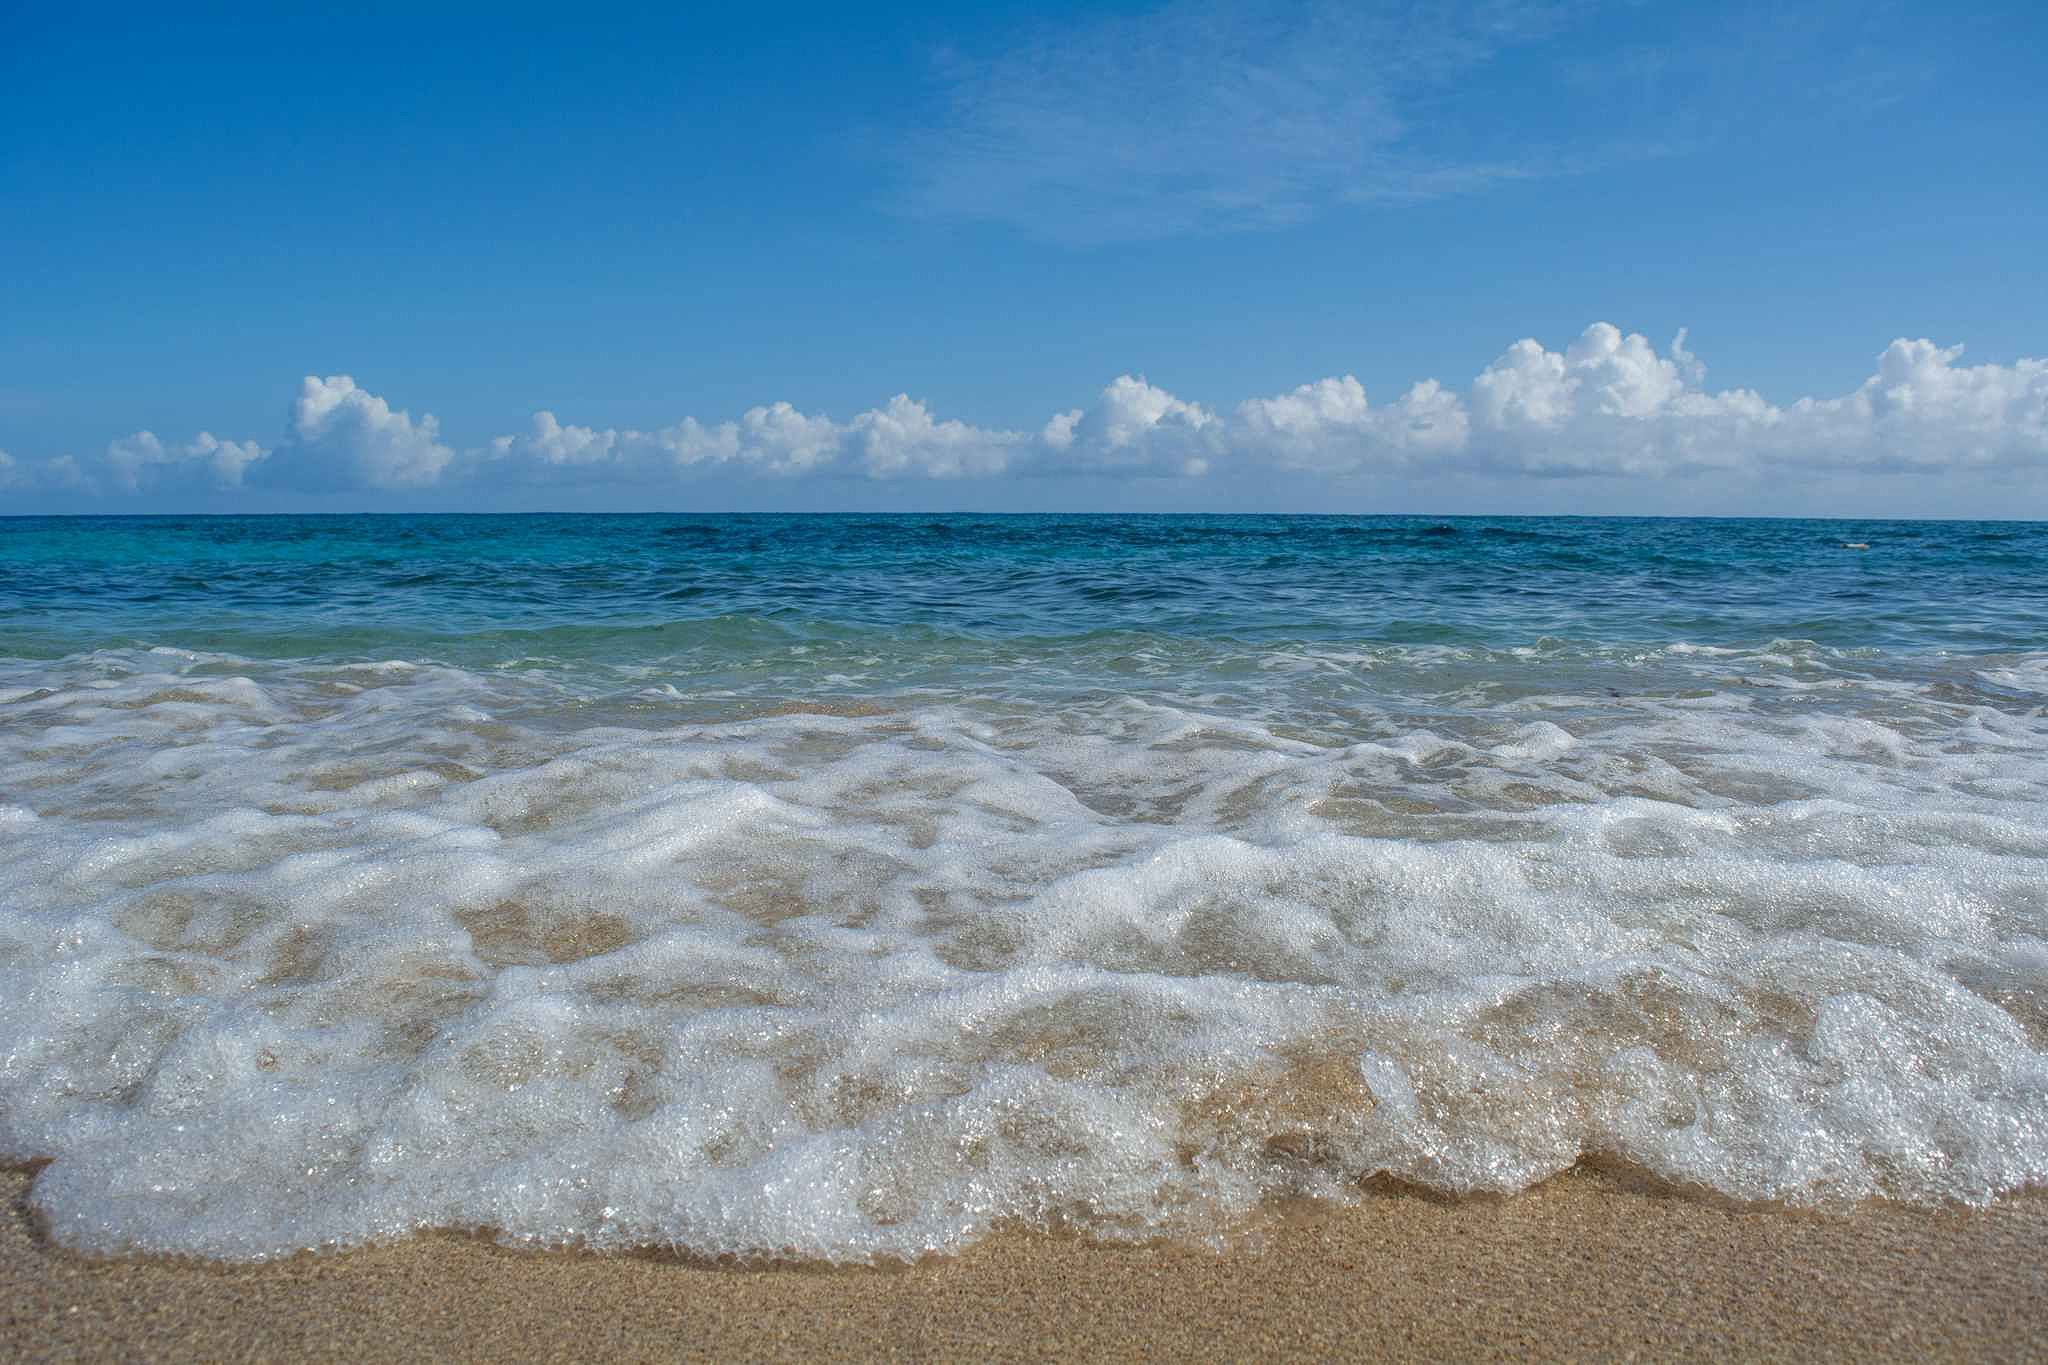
<point x="476" y="587"/>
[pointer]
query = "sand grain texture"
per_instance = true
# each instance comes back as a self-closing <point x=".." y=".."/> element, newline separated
<point x="1588" y="1265"/>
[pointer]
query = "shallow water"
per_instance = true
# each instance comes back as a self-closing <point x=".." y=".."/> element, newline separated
<point x="846" y="886"/>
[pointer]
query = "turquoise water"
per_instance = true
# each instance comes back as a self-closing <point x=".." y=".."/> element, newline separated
<point x="629" y="588"/>
<point x="846" y="887"/>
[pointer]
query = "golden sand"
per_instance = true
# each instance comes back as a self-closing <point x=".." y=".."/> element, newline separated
<point x="1587" y="1265"/>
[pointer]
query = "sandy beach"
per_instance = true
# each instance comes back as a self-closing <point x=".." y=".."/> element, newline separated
<point x="1588" y="1265"/>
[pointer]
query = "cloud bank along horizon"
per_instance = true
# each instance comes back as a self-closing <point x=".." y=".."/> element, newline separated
<point x="1608" y="405"/>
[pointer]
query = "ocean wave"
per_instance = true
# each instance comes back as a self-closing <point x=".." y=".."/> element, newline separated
<point x="1128" y="934"/>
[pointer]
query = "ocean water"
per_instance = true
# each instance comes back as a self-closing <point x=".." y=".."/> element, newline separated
<point x="851" y="887"/>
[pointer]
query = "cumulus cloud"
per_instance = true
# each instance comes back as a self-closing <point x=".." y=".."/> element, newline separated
<point x="1608" y="404"/>
<point x="138" y="463"/>
<point x="344" y="437"/>
<point x="552" y="444"/>
<point x="141" y="462"/>
<point x="1330" y="427"/>
<point x="902" y="437"/>
<point x="1923" y="412"/>
<point x="1135" y="428"/>
<point x="776" y="439"/>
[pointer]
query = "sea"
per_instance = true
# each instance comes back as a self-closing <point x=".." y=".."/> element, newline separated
<point x="849" y="888"/>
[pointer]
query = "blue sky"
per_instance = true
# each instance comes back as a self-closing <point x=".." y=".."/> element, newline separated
<point x="1192" y="256"/>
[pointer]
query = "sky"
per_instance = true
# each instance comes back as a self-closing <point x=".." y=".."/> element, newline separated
<point x="1509" y="257"/>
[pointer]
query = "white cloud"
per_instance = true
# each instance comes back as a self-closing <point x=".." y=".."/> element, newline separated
<point x="1329" y="427"/>
<point x="1134" y="428"/>
<point x="551" y="443"/>
<point x="901" y="437"/>
<point x="1606" y="405"/>
<point x="141" y="462"/>
<point x="345" y="437"/>
<point x="65" y="473"/>
<point x="553" y="453"/>
<point x="1923" y="412"/>
<point x="775" y="439"/>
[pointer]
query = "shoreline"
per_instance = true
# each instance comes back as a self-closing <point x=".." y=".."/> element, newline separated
<point x="1592" y="1262"/>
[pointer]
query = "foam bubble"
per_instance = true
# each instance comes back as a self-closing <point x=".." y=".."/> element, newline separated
<point x="297" y="955"/>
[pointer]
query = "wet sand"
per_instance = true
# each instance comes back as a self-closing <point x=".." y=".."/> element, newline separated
<point x="1589" y="1265"/>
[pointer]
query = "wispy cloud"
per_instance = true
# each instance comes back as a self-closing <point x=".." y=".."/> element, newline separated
<point x="1204" y="116"/>
<point x="1210" y="116"/>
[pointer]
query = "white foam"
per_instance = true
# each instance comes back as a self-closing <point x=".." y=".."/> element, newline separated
<point x="295" y="955"/>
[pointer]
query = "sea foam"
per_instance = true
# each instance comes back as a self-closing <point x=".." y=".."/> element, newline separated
<point x="310" y="954"/>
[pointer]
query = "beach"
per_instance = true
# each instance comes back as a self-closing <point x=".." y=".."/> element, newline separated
<point x="1588" y="1265"/>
